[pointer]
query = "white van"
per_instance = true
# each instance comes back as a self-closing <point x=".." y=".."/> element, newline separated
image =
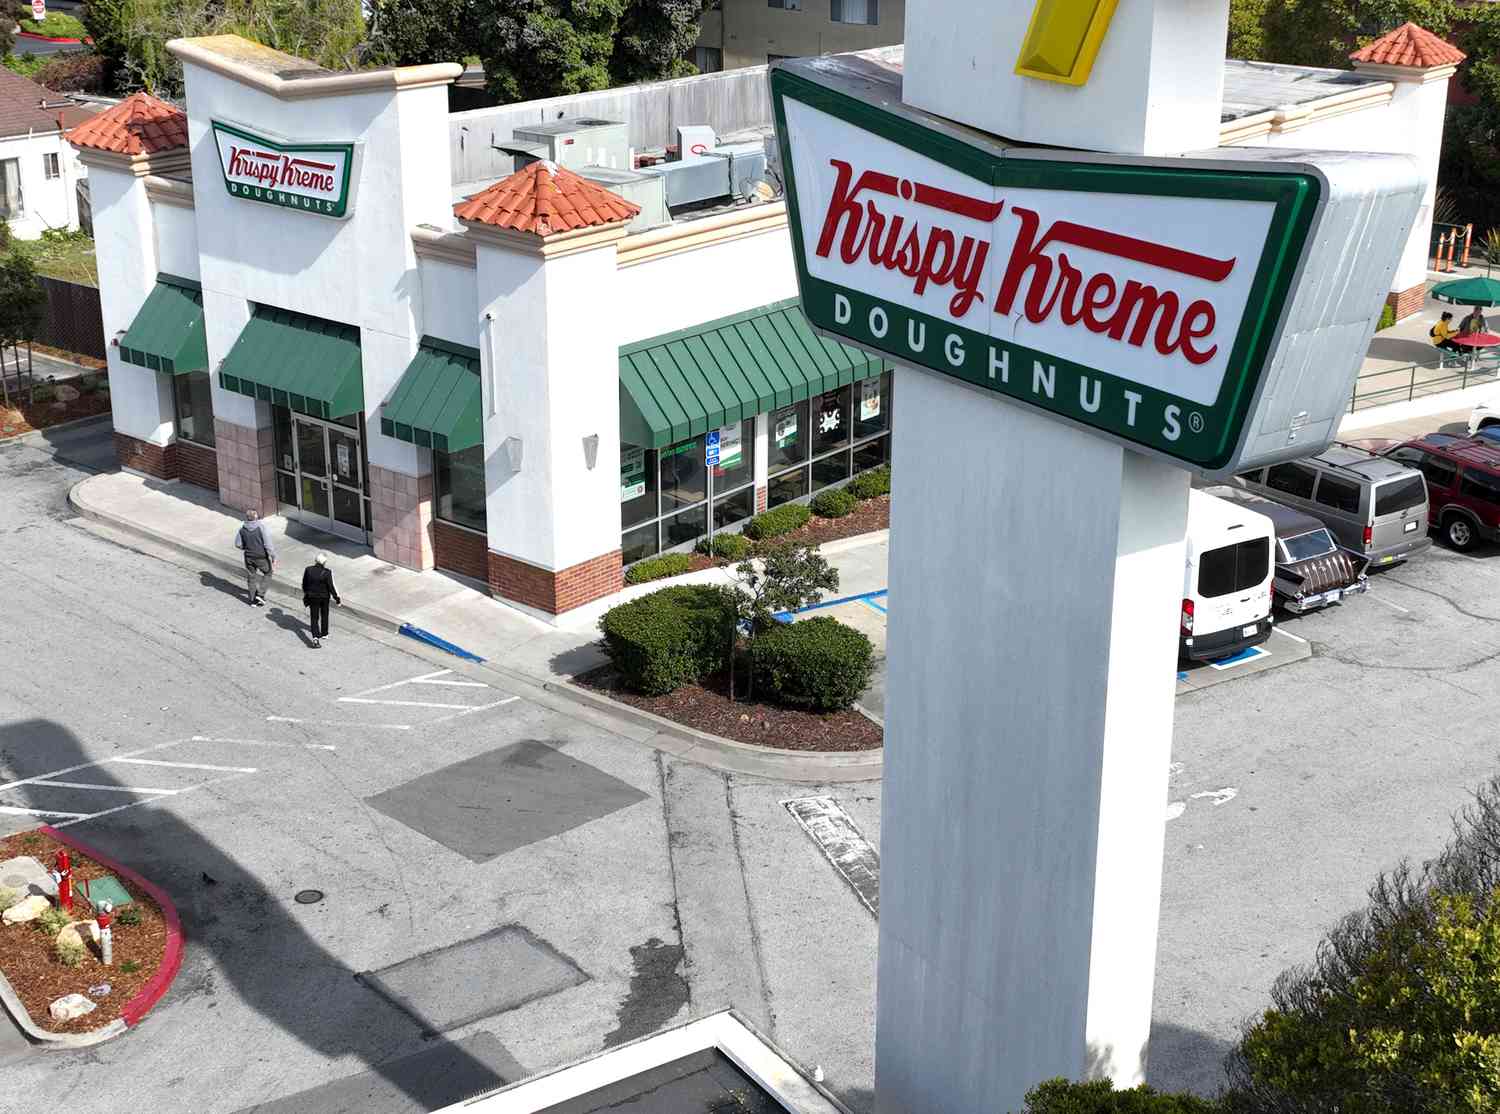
<point x="1226" y="585"/>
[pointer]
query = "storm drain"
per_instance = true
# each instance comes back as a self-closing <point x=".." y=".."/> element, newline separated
<point x="474" y="979"/>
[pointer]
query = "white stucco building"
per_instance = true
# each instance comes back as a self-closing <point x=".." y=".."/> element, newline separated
<point x="328" y="298"/>
<point x="39" y="169"/>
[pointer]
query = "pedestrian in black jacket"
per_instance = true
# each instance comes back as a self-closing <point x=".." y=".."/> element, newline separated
<point x="317" y="589"/>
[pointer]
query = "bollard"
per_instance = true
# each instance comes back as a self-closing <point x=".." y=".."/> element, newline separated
<point x="106" y="934"/>
<point x="1468" y="240"/>
<point x="63" y="876"/>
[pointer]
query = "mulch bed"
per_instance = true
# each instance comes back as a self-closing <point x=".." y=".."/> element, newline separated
<point x="71" y="357"/>
<point x="869" y="515"/>
<point x="30" y="964"/>
<point x="707" y="707"/>
<point x="15" y="421"/>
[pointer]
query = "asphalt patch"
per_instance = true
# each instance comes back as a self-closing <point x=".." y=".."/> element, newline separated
<point x="505" y="799"/>
<point x="436" y="1077"/>
<point x="657" y="992"/>
<point x="474" y="979"/>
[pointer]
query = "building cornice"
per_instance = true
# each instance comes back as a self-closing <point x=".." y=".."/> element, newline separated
<point x="554" y="246"/>
<point x="445" y="247"/>
<point x="227" y="55"/>
<point x="162" y="162"/>
<point x="1409" y="75"/>
<point x="169" y="191"/>
<point x="673" y="239"/>
<point x="1291" y="117"/>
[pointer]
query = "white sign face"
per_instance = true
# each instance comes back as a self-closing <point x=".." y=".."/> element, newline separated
<point x="39" y="10"/>
<point x="786" y="429"/>
<point x="311" y="177"/>
<point x="730" y="446"/>
<point x="869" y="399"/>
<point x="632" y="472"/>
<point x="1151" y="288"/>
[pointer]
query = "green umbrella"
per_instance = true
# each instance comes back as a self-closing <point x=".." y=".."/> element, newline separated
<point x="1469" y="292"/>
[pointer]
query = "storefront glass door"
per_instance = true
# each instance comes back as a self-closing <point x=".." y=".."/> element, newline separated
<point x="320" y="475"/>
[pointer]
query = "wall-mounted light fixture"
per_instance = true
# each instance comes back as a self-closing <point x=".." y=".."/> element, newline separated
<point x="512" y="447"/>
<point x="591" y="451"/>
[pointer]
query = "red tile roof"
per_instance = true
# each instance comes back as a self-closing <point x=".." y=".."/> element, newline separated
<point x="544" y="199"/>
<point x="139" y="125"/>
<point x="1410" y="45"/>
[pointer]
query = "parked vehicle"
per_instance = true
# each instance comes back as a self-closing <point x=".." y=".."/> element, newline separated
<point x="1226" y="585"/>
<point x="1373" y="505"/>
<point x="1312" y="569"/>
<point x="1484" y="415"/>
<point x="1463" y="485"/>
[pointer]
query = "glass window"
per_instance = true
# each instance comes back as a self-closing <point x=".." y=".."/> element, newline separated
<point x="1294" y="479"/>
<point x="12" y="204"/>
<point x="50" y="166"/>
<point x="708" y="59"/>
<point x="786" y="442"/>
<point x="872" y="454"/>
<point x="1341" y="495"/>
<point x="830" y="421"/>
<point x="736" y="456"/>
<point x="1256" y="477"/>
<point x="1475" y="484"/>
<point x="734" y="508"/>
<point x="458" y="487"/>
<point x="1406" y="454"/>
<point x="684" y="477"/>
<point x="193" y="394"/>
<point x="1439" y="472"/>
<point x="786" y="487"/>
<point x="1304" y="547"/>
<point x="638" y="543"/>
<point x="866" y="12"/>
<point x="786" y="5"/>
<point x="1234" y="568"/>
<point x="637" y="485"/>
<point x="872" y="406"/>
<point x="684" y="528"/>
<point x="830" y="470"/>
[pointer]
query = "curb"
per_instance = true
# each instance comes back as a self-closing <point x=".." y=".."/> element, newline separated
<point x="47" y="1040"/>
<point x="34" y="37"/>
<point x="171" y="962"/>
<point x="36" y="435"/>
<point x="713" y="751"/>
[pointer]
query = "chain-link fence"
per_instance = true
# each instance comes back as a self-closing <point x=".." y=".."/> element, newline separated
<point x="73" y="320"/>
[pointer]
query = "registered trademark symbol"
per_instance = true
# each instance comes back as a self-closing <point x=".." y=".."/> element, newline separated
<point x="1195" y="422"/>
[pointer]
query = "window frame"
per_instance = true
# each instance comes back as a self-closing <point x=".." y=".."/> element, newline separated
<point x="707" y="506"/>
<point x="439" y="458"/>
<point x="186" y="380"/>
<point x="872" y="10"/>
<point x="51" y="166"/>
<point x="20" y="210"/>
<point x="851" y="445"/>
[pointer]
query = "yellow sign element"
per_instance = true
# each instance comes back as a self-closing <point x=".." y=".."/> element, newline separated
<point x="1064" y="39"/>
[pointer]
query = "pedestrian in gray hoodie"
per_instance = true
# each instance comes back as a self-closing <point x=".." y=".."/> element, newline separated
<point x="260" y="556"/>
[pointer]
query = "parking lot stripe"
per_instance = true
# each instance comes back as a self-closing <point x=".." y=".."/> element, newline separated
<point x="177" y="765"/>
<point x="407" y="681"/>
<point x="105" y="788"/>
<point x="79" y="819"/>
<point x="264" y="743"/>
<point x="1388" y="603"/>
<point x="1289" y="634"/>
<point x="86" y="765"/>
<point x="456" y="684"/>
<point x="480" y="708"/>
<point x="398" y="703"/>
<point x="341" y="723"/>
<point x="853" y="857"/>
<point x="17" y="810"/>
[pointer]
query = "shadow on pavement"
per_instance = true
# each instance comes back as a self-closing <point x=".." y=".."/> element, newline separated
<point x="287" y="621"/>
<point x="237" y="932"/>
<point x="1182" y="1059"/>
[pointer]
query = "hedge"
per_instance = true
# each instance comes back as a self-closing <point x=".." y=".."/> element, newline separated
<point x="777" y="521"/>
<point x="731" y="547"/>
<point x="669" y="638"/>
<point x="819" y="664"/>
<point x="867" y="485"/>
<point x="57" y="25"/>
<point x="654" y="568"/>
<point x="833" y="503"/>
<point x="1098" y="1096"/>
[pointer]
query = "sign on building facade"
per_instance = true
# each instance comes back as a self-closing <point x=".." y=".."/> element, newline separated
<point x="310" y="177"/>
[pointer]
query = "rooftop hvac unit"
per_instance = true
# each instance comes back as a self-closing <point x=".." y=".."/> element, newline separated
<point x="574" y="144"/>
<point x="724" y="173"/>
<point x="639" y="187"/>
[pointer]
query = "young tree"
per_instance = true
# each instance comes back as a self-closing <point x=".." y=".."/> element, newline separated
<point x="787" y="576"/>
<point x="22" y="304"/>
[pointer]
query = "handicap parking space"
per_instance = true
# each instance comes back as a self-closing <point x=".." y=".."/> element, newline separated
<point x="1282" y="648"/>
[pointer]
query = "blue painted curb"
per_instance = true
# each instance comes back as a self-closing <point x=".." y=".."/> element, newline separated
<point x="433" y="640"/>
<point x="863" y="597"/>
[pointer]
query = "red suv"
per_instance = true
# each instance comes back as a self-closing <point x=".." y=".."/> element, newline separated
<point x="1463" y="485"/>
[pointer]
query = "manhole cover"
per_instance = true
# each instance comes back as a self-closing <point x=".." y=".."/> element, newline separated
<point x="308" y="897"/>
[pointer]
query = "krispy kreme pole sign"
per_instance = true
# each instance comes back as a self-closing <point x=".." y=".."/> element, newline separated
<point x="310" y="177"/>
<point x="1139" y="300"/>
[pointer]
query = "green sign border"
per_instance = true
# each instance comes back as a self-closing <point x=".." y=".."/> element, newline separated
<point x="294" y="202"/>
<point x="1209" y="446"/>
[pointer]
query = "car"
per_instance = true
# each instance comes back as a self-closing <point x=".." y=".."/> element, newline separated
<point x="1312" y="569"/>
<point x="1463" y="485"/>
<point x="1489" y="433"/>
<point x="1226" y="583"/>
<point x="1372" y="505"/>
<point x="1484" y="415"/>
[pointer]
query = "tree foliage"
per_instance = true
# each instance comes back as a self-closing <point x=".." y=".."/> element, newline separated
<point x="541" y="48"/>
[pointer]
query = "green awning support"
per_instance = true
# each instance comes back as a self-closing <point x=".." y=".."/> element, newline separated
<point x="293" y="360"/>
<point x="686" y="383"/>
<point x="437" y="403"/>
<point x="167" y="334"/>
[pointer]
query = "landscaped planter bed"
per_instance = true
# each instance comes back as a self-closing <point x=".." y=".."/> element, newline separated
<point x="26" y="418"/>
<point x="30" y="964"/>
<point x="870" y="515"/>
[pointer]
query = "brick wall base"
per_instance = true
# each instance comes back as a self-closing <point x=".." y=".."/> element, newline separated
<point x="401" y="518"/>
<point x="555" y="592"/>
<point x="246" y="459"/>
<point x="1407" y="302"/>
<point x="197" y="465"/>
<point x="142" y="456"/>
<point x="459" y="550"/>
<point x="761" y="495"/>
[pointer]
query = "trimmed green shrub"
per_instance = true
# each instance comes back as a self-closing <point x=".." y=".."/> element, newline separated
<point x="669" y="638"/>
<point x="654" y="568"/>
<point x="129" y="915"/>
<point x="1098" y="1096"/>
<point x="818" y="664"/>
<point x="777" y="521"/>
<point x="833" y="503"/>
<point x="867" y="485"/>
<point x="70" y="952"/>
<point x="51" y="921"/>
<point x="57" y="25"/>
<point x="1387" y="317"/>
<point x="729" y="547"/>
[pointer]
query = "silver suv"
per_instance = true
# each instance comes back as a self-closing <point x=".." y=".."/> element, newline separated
<point x="1372" y="504"/>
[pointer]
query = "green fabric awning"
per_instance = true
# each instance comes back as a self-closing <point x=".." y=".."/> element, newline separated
<point x="437" y="403"/>
<point x="305" y="363"/>
<point x="685" y="383"/>
<point x="167" y="334"/>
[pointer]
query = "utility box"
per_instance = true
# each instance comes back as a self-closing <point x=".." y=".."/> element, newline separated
<point x="576" y="144"/>
<point x="638" y="187"/>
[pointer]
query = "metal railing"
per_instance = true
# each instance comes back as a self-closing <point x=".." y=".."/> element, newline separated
<point x="1403" y="384"/>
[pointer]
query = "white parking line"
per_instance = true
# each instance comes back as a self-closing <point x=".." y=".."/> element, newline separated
<point x="407" y="681"/>
<point x="481" y="708"/>
<point x="1388" y="603"/>
<point x="17" y="810"/>
<point x="398" y="703"/>
<point x="107" y="788"/>
<point x="86" y="765"/>
<point x="179" y="765"/>
<point x="147" y="801"/>
<point x="341" y="723"/>
<point x="1289" y="634"/>
<point x="263" y="743"/>
<point x="456" y="684"/>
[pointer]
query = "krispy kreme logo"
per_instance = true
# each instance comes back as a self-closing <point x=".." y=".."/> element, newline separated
<point x="270" y="169"/>
<point x="313" y="177"/>
<point x="1038" y="281"/>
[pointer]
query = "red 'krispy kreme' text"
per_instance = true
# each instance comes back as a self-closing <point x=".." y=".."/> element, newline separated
<point x="1099" y="302"/>
<point x="279" y="171"/>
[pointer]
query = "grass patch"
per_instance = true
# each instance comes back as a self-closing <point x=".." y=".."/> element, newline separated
<point x="57" y="25"/>
<point x="62" y="255"/>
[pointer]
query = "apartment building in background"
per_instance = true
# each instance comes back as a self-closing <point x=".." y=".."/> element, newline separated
<point x="740" y="33"/>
